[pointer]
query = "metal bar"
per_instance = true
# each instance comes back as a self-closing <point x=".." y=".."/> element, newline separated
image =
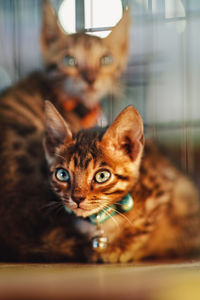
<point x="80" y="16"/>
<point x="97" y="29"/>
<point x="174" y="125"/>
<point x="148" y="19"/>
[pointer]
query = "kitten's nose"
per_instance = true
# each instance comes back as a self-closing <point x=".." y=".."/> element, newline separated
<point x="78" y="198"/>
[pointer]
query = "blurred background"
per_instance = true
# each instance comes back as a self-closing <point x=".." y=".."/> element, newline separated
<point x="163" y="76"/>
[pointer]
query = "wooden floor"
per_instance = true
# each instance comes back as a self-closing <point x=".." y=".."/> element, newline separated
<point x="140" y="281"/>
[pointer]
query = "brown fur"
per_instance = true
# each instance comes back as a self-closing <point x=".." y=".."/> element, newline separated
<point x="88" y="80"/>
<point x="34" y="225"/>
<point x="59" y="83"/>
<point x="165" y="219"/>
<point x="27" y="218"/>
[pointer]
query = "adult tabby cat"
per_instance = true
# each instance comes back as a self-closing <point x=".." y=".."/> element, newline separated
<point x="89" y="171"/>
<point x="80" y="70"/>
<point x="91" y="65"/>
<point x="84" y="68"/>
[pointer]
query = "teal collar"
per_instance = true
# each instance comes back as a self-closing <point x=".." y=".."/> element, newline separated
<point x="123" y="206"/>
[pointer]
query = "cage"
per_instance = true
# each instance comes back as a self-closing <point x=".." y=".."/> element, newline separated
<point x="162" y="82"/>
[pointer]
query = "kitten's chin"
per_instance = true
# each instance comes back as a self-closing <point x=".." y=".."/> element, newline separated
<point x="79" y="212"/>
<point x="84" y="213"/>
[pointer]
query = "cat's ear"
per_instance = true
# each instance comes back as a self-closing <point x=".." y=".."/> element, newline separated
<point x="125" y="137"/>
<point x="120" y="33"/>
<point x="51" y="30"/>
<point x="56" y="131"/>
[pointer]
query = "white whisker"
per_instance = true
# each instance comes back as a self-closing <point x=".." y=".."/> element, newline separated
<point x="49" y="205"/>
<point x="125" y="217"/>
<point x="117" y="203"/>
<point x="107" y="213"/>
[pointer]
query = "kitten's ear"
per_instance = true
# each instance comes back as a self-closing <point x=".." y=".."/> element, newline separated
<point x="125" y="136"/>
<point x="56" y="131"/>
<point x="120" y="33"/>
<point x="51" y="30"/>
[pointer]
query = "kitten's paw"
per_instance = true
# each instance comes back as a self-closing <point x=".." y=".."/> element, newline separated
<point x="112" y="256"/>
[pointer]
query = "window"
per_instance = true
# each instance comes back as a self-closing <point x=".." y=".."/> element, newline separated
<point x="93" y="16"/>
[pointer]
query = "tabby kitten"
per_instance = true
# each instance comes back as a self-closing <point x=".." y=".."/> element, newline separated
<point x="95" y="169"/>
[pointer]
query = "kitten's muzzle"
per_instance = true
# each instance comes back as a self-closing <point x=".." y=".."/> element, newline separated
<point x="78" y="198"/>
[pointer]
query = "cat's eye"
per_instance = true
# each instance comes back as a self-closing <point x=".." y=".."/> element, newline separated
<point x="102" y="176"/>
<point x="70" y="61"/>
<point x="106" y="60"/>
<point x="62" y="175"/>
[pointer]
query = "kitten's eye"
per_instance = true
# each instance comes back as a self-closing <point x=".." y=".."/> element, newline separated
<point x="70" y="61"/>
<point x="62" y="175"/>
<point x="106" y="60"/>
<point x="102" y="176"/>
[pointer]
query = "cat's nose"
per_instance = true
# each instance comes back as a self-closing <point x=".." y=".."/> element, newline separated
<point x="78" y="198"/>
<point x="88" y="77"/>
<point x="90" y="80"/>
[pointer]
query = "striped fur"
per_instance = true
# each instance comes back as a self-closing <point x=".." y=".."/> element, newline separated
<point x="165" y="218"/>
<point x="34" y="225"/>
<point x="25" y="193"/>
<point x="88" y="80"/>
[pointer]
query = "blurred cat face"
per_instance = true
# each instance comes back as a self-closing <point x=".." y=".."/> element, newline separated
<point x="92" y="65"/>
<point x="91" y="68"/>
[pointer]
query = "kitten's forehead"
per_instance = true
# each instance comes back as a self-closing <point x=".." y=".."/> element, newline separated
<point x="84" y="149"/>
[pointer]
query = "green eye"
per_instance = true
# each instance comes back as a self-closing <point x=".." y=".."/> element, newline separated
<point x="62" y="175"/>
<point x="70" y="61"/>
<point x="106" y="60"/>
<point x="102" y="176"/>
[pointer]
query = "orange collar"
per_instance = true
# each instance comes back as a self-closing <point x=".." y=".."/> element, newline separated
<point x="89" y="117"/>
